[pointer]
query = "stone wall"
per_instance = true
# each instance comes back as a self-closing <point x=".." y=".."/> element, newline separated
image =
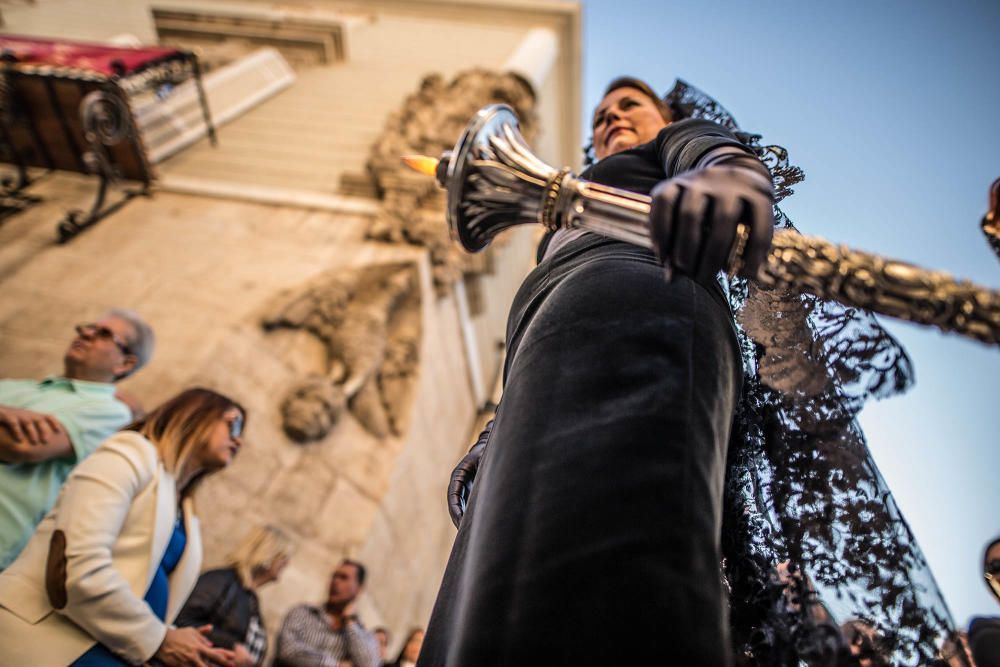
<point x="205" y="273"/>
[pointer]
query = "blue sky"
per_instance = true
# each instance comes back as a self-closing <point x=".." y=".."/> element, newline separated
<point x="892" y="108"/>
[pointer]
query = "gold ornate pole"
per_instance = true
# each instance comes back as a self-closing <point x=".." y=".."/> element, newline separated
<point x="494" y="181"/>
<point x="881" y="285"/>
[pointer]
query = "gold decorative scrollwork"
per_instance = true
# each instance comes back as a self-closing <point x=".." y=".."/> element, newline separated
<point x="889" y="287"/>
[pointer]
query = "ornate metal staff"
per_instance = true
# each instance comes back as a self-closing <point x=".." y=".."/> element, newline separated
<point x="494" y="181"/>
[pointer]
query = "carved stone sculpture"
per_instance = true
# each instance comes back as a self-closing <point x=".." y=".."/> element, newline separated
<point x="368" y="319"/>
<point x="428" y="123"/>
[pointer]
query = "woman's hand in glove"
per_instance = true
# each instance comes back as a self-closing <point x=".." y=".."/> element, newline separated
<point x="464" y="475"/>
<point x="712" y="219"/>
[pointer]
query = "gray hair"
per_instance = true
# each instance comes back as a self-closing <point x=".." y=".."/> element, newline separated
<point x="141" y="342"/>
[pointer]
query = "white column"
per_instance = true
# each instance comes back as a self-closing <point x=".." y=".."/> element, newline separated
<point x="534" y="57"/>
<point x="533" y="60"/>
<point x="476" y="381"/>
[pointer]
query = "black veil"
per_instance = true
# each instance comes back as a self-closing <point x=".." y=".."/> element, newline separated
<point x="820" y="564"/>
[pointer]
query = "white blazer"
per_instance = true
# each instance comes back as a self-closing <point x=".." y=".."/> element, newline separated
<point x="117" y="511"/>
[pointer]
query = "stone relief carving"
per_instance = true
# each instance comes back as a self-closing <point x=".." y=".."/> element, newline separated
<point x="429" y="122"/>
<point x="368" y="319"/>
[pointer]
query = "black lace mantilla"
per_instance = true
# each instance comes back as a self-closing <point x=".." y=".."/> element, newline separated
<point x="821" y="567"/>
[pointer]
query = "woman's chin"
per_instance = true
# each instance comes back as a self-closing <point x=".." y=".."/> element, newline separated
<point x="618" y="145"/>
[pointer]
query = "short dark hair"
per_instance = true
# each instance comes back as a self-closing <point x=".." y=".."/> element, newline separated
<point x="140" y="343"/>
<point x="359" y="568"/>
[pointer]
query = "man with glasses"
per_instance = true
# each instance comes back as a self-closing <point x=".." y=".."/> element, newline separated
<point x="48" y="427"/>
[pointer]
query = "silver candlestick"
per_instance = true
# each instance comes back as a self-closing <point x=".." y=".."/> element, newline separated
<point x="494" y="181"/>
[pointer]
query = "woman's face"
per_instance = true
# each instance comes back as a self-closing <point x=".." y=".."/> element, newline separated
<point x="224" y="440"/>
<point x="625" y="118"/>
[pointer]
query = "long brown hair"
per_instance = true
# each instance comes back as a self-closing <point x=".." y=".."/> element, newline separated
<point x="180" y="427"/>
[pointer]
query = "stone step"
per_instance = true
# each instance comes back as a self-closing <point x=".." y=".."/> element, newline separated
<point x="308" y="137"/>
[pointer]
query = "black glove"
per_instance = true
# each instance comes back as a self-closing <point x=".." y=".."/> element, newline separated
<point x="464" y="475"/>
<point x="694" y="217"/>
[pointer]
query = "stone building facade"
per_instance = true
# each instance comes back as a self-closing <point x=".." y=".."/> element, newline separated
<point x="295" y="267"/>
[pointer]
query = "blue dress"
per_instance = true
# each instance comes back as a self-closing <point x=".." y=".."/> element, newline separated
<point x="156" y="597"/>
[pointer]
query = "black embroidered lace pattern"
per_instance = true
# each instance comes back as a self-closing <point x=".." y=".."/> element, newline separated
<point x="821" y="567"/>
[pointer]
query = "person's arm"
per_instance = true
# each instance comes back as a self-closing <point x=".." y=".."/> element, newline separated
<point x="294" y="649"/>
<point x="714" y="211"/>
<point x="693" y="144"/>
<point x="27" y="436"/>
<point x="92" y="592"/>
<point x="190" y="647"/>
<point x="464" y="475"/>
<point x="71" y="432"/>
<point x="242" y="657"/>
<point x="362" y="647"/>
<point x="212" y="595"/>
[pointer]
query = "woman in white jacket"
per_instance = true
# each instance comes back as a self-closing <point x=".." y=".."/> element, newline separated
<point x="110" y="566"/>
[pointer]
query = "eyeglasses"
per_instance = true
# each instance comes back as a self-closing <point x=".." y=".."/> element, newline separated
<point x="236" y="427"/>
<point x="91" y="330"/>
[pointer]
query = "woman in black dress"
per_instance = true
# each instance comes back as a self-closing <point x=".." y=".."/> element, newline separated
<point x="592" y="532"/>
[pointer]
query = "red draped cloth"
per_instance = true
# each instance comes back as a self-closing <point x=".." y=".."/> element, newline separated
<point x="97" y="58"/>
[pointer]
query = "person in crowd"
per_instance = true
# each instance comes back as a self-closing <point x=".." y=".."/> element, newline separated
<point x="226" y="598"/>
<point x="982" y="641"/>
<point x="382" y="636"/>
<point x="331" y="635"/>
<point x="411" y="649"/>
<point x="597" y="505"/>
<point x="983" y="638"/>
<point x="991" y="567"/>
<point x="48" y="427"/>
<point x="103" y="577"/>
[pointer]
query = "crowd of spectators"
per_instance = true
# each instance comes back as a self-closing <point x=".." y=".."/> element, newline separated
<point x="100" y="545"/>
<point x="100" y="549"/>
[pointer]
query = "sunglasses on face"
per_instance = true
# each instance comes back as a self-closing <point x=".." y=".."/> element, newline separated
<point x="91" y="330"/>
<point x="236" y="427"/>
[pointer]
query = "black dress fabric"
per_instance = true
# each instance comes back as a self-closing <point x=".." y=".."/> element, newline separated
<point x="219" y="599"/>
<point x="677" y="148"/>
<point x="592" y="531"/>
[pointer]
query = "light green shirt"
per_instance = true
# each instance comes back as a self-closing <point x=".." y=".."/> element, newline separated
<point x="89" y="412"/>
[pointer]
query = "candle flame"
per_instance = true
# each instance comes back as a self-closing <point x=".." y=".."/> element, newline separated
<point x="421" y="163"/>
